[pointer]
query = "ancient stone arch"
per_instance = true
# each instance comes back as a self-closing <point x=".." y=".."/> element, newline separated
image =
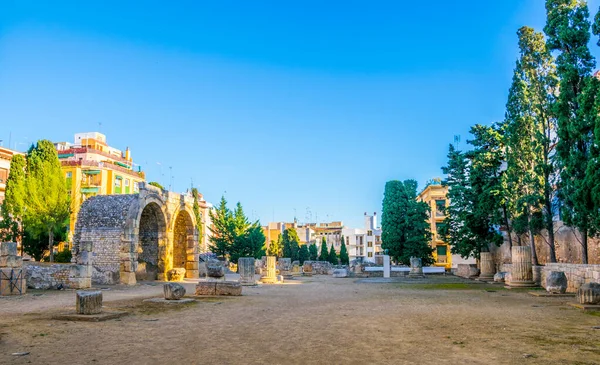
<point x="138" y="236"/>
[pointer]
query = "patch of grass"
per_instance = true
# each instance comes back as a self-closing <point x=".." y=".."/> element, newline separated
<point x="593" y="313"/>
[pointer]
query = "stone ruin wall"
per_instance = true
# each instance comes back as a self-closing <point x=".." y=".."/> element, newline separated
<point x="568" y="248"/>
<point x="42" y="275"/>
<point x="103" y="227"/>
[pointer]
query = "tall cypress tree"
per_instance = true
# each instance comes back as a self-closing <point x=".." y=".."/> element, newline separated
<point x="324" y="254"/>
<point x="313" y="252"/>
<point x="332" y="256"/>
<point x="197" y="214"/>
<point x="568" y="31"/>
<point x="303" y="254"/>
<point x="223" y="235"/>
<point x="344" y="258"/>
<point x="530" y="137"/>
<point x="290" y="243"/>
<point x="405" y="224"/>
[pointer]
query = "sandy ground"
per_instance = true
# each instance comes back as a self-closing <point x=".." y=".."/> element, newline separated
<point x="318" y="320"/>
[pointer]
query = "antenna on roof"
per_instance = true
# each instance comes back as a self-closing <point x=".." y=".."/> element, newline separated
<point x="456" y="140"/>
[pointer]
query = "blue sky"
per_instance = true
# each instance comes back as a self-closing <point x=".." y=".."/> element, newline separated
<point x="286" y="107"/>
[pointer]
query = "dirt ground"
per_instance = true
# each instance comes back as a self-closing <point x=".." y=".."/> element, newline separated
<point x="318" y="320"/>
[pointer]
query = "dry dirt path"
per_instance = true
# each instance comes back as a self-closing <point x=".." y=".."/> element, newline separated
<point x="318" y="320"/>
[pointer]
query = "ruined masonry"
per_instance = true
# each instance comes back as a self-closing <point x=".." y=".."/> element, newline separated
<point x="139" y="236"/>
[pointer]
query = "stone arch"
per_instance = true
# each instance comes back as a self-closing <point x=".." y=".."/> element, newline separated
<point x="151" y="243"/>
<point x="134" y="234"/>
<point x="183" y="239"/>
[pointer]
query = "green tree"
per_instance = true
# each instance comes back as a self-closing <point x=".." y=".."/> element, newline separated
<point x="568" y="31"/>
<point x="13" y="206"/>
<point x="313" y="252"/>
<point x="250" y="243"/>
<point x="290" y="243"/>
<point x="303" y="254"/>
<point x="332" y="256"/>
<point x="223" y="229"/>
<point x="154" y="183"/>
<point x="344" y="258"/>
<point x="47" y="200"/>
<point x="275" y="248"/>
<point x="530" y="138"/>
<point x="405" y="224"/>
<point x="487" y="190"/>
<point x="35" y="243"/>
<point x="324" y="254"/>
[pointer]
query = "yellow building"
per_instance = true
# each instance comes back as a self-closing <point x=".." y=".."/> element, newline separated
<point x="434" y="195"/>
<point x="91" y="167"/>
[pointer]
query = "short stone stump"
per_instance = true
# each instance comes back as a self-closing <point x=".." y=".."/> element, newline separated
<point x="268" y="280"/>
<point x="169" y="301"/>
<point x="218" y="288"/>
<point x="88" y="302"/>
<point x="173" y="291"/>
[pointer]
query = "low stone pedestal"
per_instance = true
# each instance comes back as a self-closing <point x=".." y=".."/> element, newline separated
<point x="589" y="294"/>
<point x="212" y="288"/>
<point x="88" y="302"/>
<point x="173" y="291"/>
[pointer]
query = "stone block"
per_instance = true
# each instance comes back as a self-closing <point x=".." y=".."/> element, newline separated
<point x="127" y="278"/>
<point x="556" y="282"/>
<point x="206" y="288"/>
<point x="8" y="249"/>
<point x="340" y="273"/>
<point x="215" y="270"/>
<point x="589" y="294"/>
<point x="11" y="261"/>
<point x="88" y="302"/>
<point x="499" y="277"/>
<point x="192" y="274"/>
<point x="173" y="291"/>
<point x="177" y="274"/>
<point x="12" y="281"/>
<point x="228" y="288"/>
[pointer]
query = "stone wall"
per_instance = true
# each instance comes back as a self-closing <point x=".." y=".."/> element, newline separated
<point x="41" y="275"/>
<point x="568" y="248"/>
<point x="577" y="274"/>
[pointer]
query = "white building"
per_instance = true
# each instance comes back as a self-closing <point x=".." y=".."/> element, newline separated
<point x="364" y="242"/>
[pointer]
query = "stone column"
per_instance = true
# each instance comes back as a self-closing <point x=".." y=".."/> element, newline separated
<point x="487" y="267"/>
<point x="521" y="274"/>
<point x="386" y="266"/>
<point x="81" y="272"/>
<point x="128" y="258"/>
<point x="271" y="271"/>
<point x="416" y="268"/>
<point x="246" y="271"/>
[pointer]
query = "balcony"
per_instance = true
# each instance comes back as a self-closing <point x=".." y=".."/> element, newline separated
<point x="107" y="165"/>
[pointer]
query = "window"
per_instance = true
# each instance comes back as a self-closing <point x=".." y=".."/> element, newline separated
<point x="442" y="250"/>
<point x="370" y="244"/>
<point x="369" y="233"/>
<point x="136" y="187"/>
<point x="69" y="175"/>
<point x="440" y="208"/>
<point x="127" y="182"/>
<point x="370" y="254"/>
